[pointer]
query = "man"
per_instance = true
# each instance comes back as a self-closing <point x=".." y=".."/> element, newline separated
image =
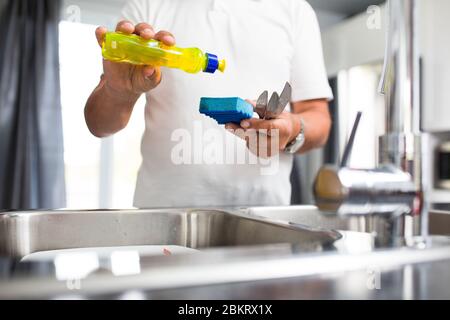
<point x="266" y="43"/>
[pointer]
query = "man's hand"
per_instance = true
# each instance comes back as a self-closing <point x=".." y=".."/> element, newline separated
<point x="277" y="133"/>
<point x="110" y="105"/>
<point x="124" y="78"/>
<point x="286" y="128"/>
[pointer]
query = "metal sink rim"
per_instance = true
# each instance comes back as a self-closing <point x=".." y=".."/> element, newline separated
<point x="7" y="220"/>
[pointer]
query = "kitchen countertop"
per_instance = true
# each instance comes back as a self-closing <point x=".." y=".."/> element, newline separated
<point x="421" y="281"/>
<point x="327" y="275"/>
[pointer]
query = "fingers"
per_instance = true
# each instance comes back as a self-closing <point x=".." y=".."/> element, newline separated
<point x="125" y="27"/>
<point x="165" y="37"/>
<point x="258" y="141"/>
<point x="100" y="35"/>
<point x="144" y="30"/>
<point x="266" y="126"/>
<point x="259" y="124"/>
<point x="232" y="127"/>
<point x="236" y="130"/>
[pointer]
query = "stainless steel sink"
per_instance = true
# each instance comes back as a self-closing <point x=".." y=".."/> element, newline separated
<point x="23" y="233"/>
<point x="310" y="216"/>
<point x="439" y="223"/>
<point x="253" y="245"/>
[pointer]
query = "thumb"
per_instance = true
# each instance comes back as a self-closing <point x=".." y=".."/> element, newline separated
<point x="151" y="77"/>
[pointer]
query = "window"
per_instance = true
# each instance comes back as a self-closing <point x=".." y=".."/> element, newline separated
<point x="100" y="173"/>
<point x="358" y="91"/>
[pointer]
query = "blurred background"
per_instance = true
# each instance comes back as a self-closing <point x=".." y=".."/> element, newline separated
<point x="71" y="168"/>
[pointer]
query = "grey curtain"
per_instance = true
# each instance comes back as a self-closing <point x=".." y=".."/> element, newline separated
<point x="31" y="142"/>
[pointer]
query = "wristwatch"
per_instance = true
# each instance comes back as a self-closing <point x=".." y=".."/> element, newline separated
<point x="298" y="142"/>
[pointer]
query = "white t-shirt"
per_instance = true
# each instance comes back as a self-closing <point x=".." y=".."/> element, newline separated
<point x="265" y="43"/>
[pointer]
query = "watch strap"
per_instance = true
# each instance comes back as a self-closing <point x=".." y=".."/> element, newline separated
<point x="298" y="142"/>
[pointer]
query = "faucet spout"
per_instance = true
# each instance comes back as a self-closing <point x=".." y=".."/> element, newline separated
<point x="401" y="87"/>
<point x="401" y="145"/>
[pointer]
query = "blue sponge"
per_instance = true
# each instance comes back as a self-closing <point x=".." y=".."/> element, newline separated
<point x="226" y="110"/>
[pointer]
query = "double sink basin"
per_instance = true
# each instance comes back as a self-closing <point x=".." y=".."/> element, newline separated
<point x="235" y="245"/>
<point x="24" y="233"/>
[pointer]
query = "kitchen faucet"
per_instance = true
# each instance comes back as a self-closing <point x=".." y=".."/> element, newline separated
<point x="393" y="191"/>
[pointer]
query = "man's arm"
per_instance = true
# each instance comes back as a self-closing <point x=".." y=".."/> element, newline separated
<point x="110" y="105"/>
<point x="316" y="116"/>
<point x="107" y="111"/>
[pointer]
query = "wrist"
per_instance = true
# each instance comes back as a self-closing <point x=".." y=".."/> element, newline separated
<point x="298" y="141"/>
<point x="296" y="127"/>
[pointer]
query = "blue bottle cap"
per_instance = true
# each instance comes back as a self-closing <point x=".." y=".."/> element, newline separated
<point x="212" y="64"/>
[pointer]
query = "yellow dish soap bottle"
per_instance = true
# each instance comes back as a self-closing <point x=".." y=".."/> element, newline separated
<point x="119" y="47"/>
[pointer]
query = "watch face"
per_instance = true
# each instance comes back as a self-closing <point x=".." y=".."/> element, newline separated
<point x="296" y="144"/>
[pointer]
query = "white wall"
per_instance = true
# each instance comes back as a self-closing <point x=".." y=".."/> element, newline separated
<point x="435" y="44"/>
<point x="352" y="43"/>
<point x="328" y="19"/>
